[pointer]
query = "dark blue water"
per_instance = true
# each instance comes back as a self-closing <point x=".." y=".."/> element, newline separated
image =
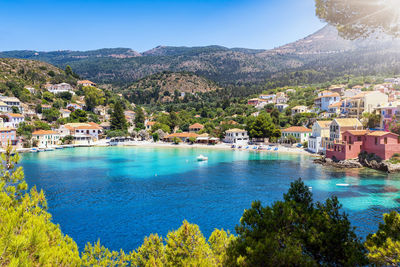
<point x="121" y="195"/>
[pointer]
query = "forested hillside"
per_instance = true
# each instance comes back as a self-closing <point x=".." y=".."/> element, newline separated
<point x="324" y="54"/>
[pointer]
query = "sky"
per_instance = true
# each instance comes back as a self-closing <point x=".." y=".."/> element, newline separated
<point x="144" y="24"/>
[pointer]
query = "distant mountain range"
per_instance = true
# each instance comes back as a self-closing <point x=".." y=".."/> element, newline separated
<point x="323" y="54"/>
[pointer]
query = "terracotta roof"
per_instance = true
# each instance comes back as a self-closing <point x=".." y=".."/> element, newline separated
<point x="335" y="105"/>
<point x="184" y="134"/>
<point x="17" y="115"/>
<point x="234" y="130"/>
<point x="150" y="123"/>
<point x="83" y="126"/>
<point x="85" y="81"/>
<point x="380" y="133"/>
<point x="330" y="95"/>
<point x="299" y="107"/>
<point x="357" y="132"/>
<point x="324" y="124"/>
<point x="6" y="129"/>
<point x="43" y="132"/>
<point x="297" y="129"/>
<point x="46" y="106"/>
<point x="66" y="110"/>
<point x="196" y="126"/>
<point x="346" y="122"/>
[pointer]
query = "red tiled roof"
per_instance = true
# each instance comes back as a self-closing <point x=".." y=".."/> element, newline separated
<point x="43" y="132"/>
<point x="196" y="126"/>
<point x="300" y="129"/>
<point x="184" y="134"/>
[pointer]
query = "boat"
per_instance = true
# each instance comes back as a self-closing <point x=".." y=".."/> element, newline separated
<point x="59" y="147"/>
<point x="275" y="149"/>
<point x="40" y="150"/>
<point x="202" y="158"/>
<point x="233" y="146"/>
<point x="49" y="149"/>
<point x="34" y="150"/>
<point x="269" y="148"/>
<point x="342" y="185"/>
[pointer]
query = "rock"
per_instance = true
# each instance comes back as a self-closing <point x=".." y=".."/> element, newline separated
<point x="339" y="164"/>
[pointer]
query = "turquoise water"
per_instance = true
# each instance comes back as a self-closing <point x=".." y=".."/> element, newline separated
<point x="121" y="195"/>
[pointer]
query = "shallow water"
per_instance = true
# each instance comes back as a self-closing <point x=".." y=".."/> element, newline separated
<point x="121" y="194"/>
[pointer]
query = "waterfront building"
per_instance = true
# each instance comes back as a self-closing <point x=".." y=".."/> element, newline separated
<point x="8" y="135"/>
<point x="389" y="113"/>
<point x="149" y="125"/>
<point x="184" y="137"/>
<point x="301" y="133"/>
<point x="319" y="136"/>
<point x="81" y="130"/>
<point x="236" y="136"/>
<point x="46" y="138"/>
<point x="380" y="143"/>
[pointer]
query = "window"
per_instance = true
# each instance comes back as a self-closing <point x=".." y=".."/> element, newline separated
<point x="345" y="138"/>
<point x="358" y="138"/>
<point x="349" y="147"/>
<point x="385" y="140"/>
<point x="376" y="140"/>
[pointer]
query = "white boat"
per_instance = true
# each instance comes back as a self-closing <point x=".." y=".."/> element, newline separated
<point x="202" y="158"/>
<point x="49" y="149"/>
<point x="342" y="185"/>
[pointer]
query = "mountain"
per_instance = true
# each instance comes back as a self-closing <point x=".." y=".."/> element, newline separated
<point x="162" y="86"/>
<point x="319" y="56"/>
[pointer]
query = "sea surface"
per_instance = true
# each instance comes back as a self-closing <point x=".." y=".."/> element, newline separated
<point x="122" y="194"/>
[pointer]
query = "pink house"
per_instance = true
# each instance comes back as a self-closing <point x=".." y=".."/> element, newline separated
<point x="382" y="144"/>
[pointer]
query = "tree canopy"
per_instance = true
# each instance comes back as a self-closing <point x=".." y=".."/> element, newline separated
<point x="355" y="19"/>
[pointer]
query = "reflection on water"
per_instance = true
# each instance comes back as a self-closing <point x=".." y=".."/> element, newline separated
<point x="121" y="195"/>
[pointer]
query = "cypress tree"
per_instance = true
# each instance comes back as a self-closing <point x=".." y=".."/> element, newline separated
<point x="118" y="120"/>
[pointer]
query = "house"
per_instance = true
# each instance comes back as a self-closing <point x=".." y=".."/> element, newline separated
<point x="334" y="109"/>
<point x="130" y="115"/>
<point x="195" y="128"/>
<point x="291" y="91"/>
<point x="8" y="135"/>
<point x="65" y="113"/>
<point x="355" y="106"/>
<point x="301" y="133"/>
<point x="3" y="107"/>
<point x="281" y="107"/>
<point x="100" y="110"/>
<point x="383" y="144"/>
<point x="81" y="130"/>
<point x="319" y="136"/>
<point x="184" y="137"/>
<point x="230" y="122"/>
<point x="270" y="98"/>
<point x="149" y="124"/>
<point x="325" y="99"/>
<point x="337" y="89"/>
<point x="46" y="107"/>
<point x="86" y="83"/>
<point x="105" y="125"/>
<point x="351" y="92"/>
<point x="299" y="109"/>
<point x="31" y="89"/>
<point x="281" y="98"/>
<point x="339" y="126"/>
<point x="236" y="136"/>
<point x="206" y="139"/>
<point x="389" y="113"/>
<point x="11" y="102"/>
<point x="59" y="88"/>
<point x="46" y="138"/>
<point x="12" y="120"/>
<point x="253" y="101"/>
<point x="74" y="106"/>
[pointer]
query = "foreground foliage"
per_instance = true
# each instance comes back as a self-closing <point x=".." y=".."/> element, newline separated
<point x="294" y="231"/>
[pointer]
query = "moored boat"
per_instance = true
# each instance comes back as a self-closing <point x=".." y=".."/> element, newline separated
<point x="202" y="158"/>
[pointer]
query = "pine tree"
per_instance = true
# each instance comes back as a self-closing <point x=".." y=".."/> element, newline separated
<point x="118" y="120"/>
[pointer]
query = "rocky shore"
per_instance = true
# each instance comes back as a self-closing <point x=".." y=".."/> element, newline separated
<point x="361" y="162"/>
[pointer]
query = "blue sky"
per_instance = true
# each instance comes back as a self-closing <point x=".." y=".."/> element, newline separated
<point x="144" y="24"/>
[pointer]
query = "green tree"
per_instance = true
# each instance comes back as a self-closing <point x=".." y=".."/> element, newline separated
<point x="139" y="118"/>
<point x="355" y="19"/>
<point x="38" y="109"/>
<point x="27" y="235"/>
<point x="219" y="242"/>
<point x="164" y="127"/>
<point x="151" y="253"/>
<point x="68" y="70"/>
<point x="118" y="120"/>
<point x="384" y="245"/>
<point x="187" y="247"/>
<point x="51" y="115"/>
<point x="296" y="232"/>
<point x="78" y="115"/>
<point x="261" y="127"/>
<point x="93" y="97"/>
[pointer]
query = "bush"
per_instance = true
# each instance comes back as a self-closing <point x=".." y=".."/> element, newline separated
<point x="176" y="140"/>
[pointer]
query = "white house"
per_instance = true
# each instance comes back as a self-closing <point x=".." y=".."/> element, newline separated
<point x="281" y="107"/>
<point x="12" y="120"/>
<point x="65" y="113"/>
<point x="236" y="136"/>
<point x="46" y="138"/>
<point x="319" y="136"/>
<point x="11" y="102"/>
<point x="301" y="133"/>
<point x="299" y="109"/>
<point x="59" y="88"/>
<point x="82" y="129"/>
